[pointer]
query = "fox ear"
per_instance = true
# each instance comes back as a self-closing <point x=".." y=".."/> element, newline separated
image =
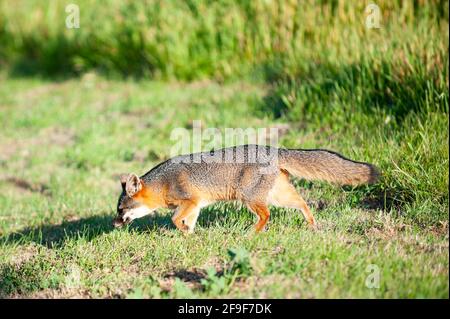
<point x="133" y="185"/>
<point x="123" y="180"/>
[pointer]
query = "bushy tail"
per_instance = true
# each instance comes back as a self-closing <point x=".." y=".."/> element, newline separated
<point x="328" y="166"/>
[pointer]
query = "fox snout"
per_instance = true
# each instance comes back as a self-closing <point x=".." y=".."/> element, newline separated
<point x="119" y="222"/>
<point x="123" y="218"/>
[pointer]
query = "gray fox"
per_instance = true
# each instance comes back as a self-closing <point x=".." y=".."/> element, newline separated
<point x="256" y="175"/>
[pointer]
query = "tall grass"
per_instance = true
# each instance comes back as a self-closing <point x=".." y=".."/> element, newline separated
<point x="200" y="38"/>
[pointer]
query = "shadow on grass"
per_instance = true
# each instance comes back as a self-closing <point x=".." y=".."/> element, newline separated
<point x="379" y="197"/>
<point x="88" y="228"/>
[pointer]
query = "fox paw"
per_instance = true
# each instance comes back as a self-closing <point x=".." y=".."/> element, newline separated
<point x="185" y="228"/>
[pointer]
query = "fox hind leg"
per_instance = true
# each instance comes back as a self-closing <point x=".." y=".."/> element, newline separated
<point x="262" y="211"/>
<point x="284" y="194"/>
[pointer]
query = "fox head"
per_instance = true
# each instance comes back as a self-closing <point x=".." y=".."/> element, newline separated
<point x="131" y="204"/>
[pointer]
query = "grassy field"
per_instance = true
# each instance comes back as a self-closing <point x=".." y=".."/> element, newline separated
<point x="78" y="108"/>
<point x="63" y="145"/>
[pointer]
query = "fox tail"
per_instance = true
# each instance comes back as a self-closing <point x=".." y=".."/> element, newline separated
<point x="328" y="166"/>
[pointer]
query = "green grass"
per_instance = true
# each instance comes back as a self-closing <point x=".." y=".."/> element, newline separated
<point x="199" y="39"/>
<point x="69" y="140"/>
<point x="79" y="107"/>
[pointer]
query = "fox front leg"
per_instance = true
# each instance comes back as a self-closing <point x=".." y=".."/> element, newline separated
<point x="186" y="216"/>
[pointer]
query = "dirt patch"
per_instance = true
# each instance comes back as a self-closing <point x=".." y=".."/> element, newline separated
<point x="48" y="137"/>
<point x="7" y="150"/>
<point x="139" y="117"/>
<point x="191" y="278"/>
<point x="216" y="263"/>
<point x="375" y="227"/>
<point x="63" y="293"/>
<point x="440" y="230"/>
<point x="25" y="254"/>
<point x="71" y="218"/>
<point x="26" y="186"/>
<point x="58" y="136"/>
<point x="317" y="205"/>
<point x="257" y="286"/>
<point x="201" y="85"/>
<point x="41" y="90"/>
<point x="277" y="250"/>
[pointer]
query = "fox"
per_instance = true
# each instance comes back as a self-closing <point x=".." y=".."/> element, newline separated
<point x="258" y="176"/>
